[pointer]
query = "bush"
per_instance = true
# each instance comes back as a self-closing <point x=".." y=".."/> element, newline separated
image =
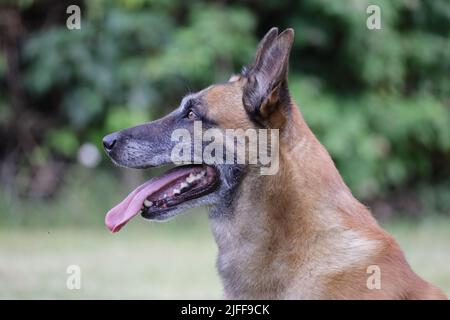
<point x="379" y="100"/>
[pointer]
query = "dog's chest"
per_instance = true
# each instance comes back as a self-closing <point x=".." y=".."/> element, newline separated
<point x="250" y="268"/>
<point x="242" y="266"/>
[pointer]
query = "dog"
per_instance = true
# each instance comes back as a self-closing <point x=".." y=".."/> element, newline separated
<point x="295" y="234"/>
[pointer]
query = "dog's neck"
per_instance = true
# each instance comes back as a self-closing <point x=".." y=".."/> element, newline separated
<point x="291" y="216"/>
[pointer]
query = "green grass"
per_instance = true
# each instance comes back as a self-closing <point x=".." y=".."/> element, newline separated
<point x="160" y="261"/>
<point x="426" y="244"/>
<point x="153" y="261"/>
<point x="40" y="239"/>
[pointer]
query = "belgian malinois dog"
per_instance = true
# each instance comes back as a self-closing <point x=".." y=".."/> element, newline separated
<point x="295" y="234"/>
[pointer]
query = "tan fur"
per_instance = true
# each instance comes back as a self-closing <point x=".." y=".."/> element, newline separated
<point x="300" y="234"/>
<point x="221" y="97"/>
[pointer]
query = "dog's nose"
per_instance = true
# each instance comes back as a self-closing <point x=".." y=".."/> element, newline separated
<point x="109" y="141"/>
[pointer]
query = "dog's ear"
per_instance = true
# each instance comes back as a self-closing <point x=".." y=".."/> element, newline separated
<point x="266" y="84"/>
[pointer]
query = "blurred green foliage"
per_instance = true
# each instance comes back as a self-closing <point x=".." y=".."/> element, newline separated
<point x="378" y="99"/>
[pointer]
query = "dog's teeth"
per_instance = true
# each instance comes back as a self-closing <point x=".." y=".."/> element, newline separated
<point x="147" y="203"/>
<point x="200" y="175"/>
<point x="183" y="185"/>
<point x="194" y="177"/>
<point x="190" y="178"/>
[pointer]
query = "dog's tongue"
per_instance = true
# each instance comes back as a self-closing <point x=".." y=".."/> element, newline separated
<point x="118" y="216"/>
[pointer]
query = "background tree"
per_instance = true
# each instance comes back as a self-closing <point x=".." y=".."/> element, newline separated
<point x="378" y="99"/>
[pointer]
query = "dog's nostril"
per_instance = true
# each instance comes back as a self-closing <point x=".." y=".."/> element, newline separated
<point x="109" y="141"/>
<point x="109" y="144"/>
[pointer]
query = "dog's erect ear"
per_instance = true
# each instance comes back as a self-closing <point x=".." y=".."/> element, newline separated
<point x="266" y="78"/>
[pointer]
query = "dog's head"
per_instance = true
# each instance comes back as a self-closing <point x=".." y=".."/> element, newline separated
<point x="199" y="135"/>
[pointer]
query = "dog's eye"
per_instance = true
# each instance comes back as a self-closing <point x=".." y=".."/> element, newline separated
<point x="191" y="115"/>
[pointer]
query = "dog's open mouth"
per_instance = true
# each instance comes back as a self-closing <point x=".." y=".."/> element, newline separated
<point x="162" y="194"/>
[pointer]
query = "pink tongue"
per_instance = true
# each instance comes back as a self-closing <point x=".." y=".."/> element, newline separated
<point x="118" y="216"/>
